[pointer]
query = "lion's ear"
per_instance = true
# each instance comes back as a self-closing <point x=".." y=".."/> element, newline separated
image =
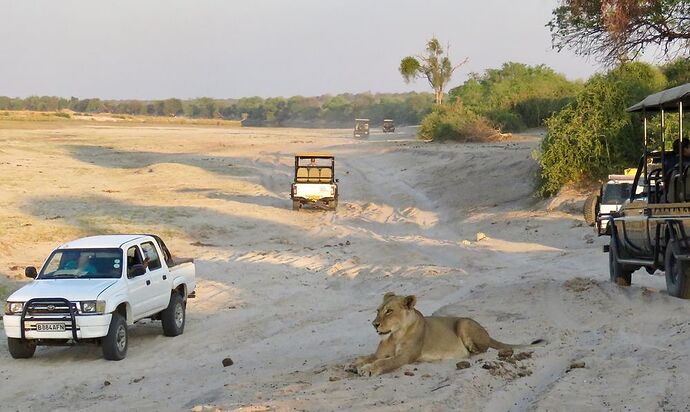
<point x="410" y="301"/>
<point x="387" y="296"/>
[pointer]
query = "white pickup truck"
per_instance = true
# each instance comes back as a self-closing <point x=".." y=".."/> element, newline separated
<point x="91" y="289"/>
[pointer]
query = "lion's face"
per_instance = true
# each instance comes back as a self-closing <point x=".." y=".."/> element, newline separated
<point x="395" y="313"/>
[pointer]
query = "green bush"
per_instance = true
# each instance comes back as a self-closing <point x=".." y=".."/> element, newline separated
<point x="516" y="96"/>
<point x="506" y="120"/>
<point x="62" y="114"/>
<point x="594" y="135"/>
<point x="455" y="123"/>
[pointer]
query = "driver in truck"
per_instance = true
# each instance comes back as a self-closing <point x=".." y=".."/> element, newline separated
<point x="82" y="265"/>
<point x="672" y="161"/>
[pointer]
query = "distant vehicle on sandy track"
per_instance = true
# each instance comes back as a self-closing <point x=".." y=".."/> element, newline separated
<point x="361" y="128"/>
<point x="315" y="183"/>
<point x="92" y="289"/>
<point x="388" y="126"/>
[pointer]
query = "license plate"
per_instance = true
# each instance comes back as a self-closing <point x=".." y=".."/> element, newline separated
<point x="50" y="327"/>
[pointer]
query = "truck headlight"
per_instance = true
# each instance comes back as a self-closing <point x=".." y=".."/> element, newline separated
<point x="92" y="306"/>
<point x="13" y="308"/>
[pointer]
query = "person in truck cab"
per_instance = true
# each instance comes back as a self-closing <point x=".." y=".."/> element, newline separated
<point x="82" y="266"/>
<point x="672" y="160"/>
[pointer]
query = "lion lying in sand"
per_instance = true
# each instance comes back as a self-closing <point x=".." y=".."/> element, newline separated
<point x="412" y="337"/>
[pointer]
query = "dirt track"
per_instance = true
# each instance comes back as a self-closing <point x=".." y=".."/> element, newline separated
<point x="289" y="296"/>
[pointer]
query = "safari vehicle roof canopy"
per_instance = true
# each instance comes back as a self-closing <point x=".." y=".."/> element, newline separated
<point x="361" y="120"/>
<point x="666" y="100"/>
<point x="313" y="155"/>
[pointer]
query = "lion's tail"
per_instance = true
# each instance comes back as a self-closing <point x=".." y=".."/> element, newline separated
<point x="493" y="343"/>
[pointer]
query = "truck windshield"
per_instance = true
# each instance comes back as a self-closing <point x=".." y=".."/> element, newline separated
<point x="83" y="263"/>
<point x="616" y="193"/>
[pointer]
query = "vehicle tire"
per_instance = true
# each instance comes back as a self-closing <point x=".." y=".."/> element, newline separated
<point x="296" y="205"/>
<point x="174" y="316"/>
<point x="677" y="272"/>
<point x="619" y="273"/>
<point x="333" y="204"/>
<point x="21" y="349"/>
<point x="116" y="341"/>
<point x="589" y="210"/>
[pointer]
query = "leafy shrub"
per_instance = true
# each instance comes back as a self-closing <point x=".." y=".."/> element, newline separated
<point x="455" y="123"/>
<point x="595" y="136"/>
<point x="516" y="96"/>
<point x="62" y="114"/>
<point x="506" y="120"/>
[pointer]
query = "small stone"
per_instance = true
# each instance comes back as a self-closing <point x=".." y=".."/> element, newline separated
<point x="466" y="242"/>
<point x="227" y="362"/>
<point x="488" y="365"/>
<point x="137" y="380"/>
<point x="347" y="242"/>
<point x="480" y="236"/>
<point x="106" y="383"/>
<point x="505" y="353"/>
<point x="198" y="408"/>
<point x="334" y="379"/>
<point x="408" y="373"/>
<point x="462" y="365"/>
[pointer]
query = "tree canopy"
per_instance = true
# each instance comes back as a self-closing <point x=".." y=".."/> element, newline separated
<point x="620" y="30"/>
<point x="434" y="66"/>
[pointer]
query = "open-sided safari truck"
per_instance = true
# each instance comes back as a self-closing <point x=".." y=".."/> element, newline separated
<point x="388" y="126"/>
<point x="361" y="128"/>
<point x="315" y="182"/>
<point x="649" y="229"/>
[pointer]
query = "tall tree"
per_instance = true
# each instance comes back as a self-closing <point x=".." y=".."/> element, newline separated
<point x="620" y="30"/>
<point x="434" y="66"/>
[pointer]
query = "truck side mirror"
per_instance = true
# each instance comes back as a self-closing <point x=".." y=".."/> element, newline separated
<point x="136" y="270"/>
<point x="31" y="272"/>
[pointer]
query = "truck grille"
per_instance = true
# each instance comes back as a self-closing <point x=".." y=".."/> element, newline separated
<point x="48" y="307"/>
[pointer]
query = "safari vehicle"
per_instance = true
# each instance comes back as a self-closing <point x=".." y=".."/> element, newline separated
<point x="314" y="181"/>
<point x="361" y="128"/>
<point x="610" y="198"/>
<point x="388" y="126"/>
<point x="92" y="289"/>
<point x="649" y="230"/>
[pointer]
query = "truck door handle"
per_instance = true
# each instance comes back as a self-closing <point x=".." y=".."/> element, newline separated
<point x="148" y="282"/>
<point x="165" y="277"/>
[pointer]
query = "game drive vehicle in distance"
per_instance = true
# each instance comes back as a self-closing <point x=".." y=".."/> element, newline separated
<point x="649" y="229"/>
<point x="314" y="183"/>
<point x="361" y="128"/>
<point x="92" y="289"/>
<point x="611" y="197"/>
<point x="388" y="126"/>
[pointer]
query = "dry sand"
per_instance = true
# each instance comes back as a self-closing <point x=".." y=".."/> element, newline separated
<point x="289" y="296"/>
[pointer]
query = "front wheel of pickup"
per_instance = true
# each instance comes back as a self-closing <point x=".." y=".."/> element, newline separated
<point x="21" y="349"/>
<point x="619" y="273"/>
<point x="173" y="317"/>
<point x="115" y="342"/>
<point x="677" y="272"/>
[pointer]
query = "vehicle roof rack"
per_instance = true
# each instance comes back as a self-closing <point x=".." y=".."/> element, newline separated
<point x="666" y="100"/>
<point x="314" y="154"/>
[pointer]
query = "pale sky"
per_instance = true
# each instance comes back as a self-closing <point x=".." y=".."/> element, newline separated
<point x="152" y="49"/>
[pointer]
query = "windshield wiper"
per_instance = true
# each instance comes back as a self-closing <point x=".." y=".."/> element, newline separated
<point x="64" y="275"/>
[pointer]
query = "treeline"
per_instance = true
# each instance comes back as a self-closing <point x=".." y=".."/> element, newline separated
<point x="405" y="108"/>
<point x="594" y="136"/>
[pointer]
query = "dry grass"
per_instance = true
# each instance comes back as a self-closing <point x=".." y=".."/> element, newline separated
<point x="99" y="118"/>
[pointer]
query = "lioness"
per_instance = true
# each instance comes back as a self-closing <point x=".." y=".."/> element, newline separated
<point x="413" y="337"/>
